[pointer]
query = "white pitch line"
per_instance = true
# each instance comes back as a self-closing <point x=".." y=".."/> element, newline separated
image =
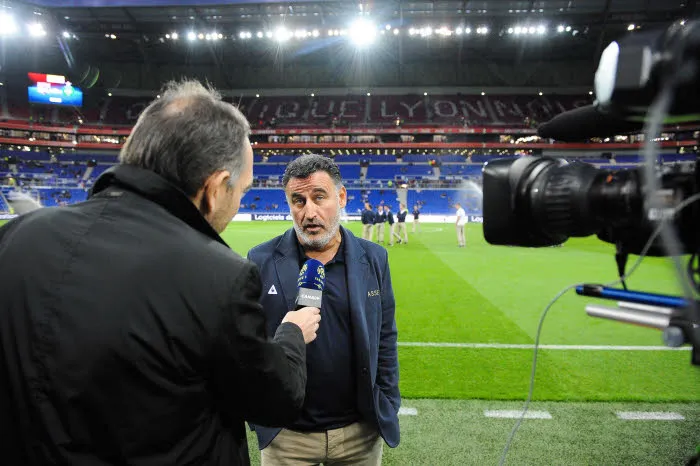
<point x="649" y="416"/>
<point x="516" y="414"/>
<point x="408" y="411"/>
<point x="544" y="347"/>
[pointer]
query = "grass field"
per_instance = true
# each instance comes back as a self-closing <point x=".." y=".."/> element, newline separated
<point x="487" y="294"/>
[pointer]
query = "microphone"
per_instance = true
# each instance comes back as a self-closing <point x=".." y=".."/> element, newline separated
<point x="587" y="122"/>
<point x="312" y="279"/>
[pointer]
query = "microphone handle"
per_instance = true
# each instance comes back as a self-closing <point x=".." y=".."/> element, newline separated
<point x="308" y="297"/>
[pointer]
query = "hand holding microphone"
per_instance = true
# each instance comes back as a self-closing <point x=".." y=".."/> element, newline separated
<point x="312" y="279"/>
<point x="307" y="319"/>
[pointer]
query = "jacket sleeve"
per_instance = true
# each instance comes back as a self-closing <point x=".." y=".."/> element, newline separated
<point x="388" y="364"/>
<point x="259" y="380"/>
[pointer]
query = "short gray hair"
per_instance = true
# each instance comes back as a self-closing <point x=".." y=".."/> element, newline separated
<point x="186" y="135"/>
<point x="307" y="165"/>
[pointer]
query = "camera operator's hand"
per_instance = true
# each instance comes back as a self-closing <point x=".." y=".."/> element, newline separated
<point x="307" y="319"/>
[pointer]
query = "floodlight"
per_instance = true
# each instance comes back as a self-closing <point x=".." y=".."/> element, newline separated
<point x="630" y="27"/>
<point x="260" y="34"/>
<point x="174" y="36"/>
<point x="560" y="28"/>
<point x="541" y="29"/>
<point x="7" y="25"/>
<point x="363" y="32"/>
<point x="36" y="30"/>
<point x="282" y="34"/>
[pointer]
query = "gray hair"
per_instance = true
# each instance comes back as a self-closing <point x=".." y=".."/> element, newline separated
<point x="186" y="135"/>
<point x="306" y="165"/>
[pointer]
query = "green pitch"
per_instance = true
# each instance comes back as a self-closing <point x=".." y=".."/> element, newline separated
<point x="488" y="294"/>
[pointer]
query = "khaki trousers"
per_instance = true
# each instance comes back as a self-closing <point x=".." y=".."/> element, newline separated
<point x="367" y="232"/>
<point x="416" y="224"/>
<point x="460" y="235"/>
<point x="401" y="230"/>
<point x="380" y="232"/>
<point x="356" y="444"/>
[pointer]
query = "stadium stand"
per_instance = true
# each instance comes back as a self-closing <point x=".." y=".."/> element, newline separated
<point x="325" y="111"/>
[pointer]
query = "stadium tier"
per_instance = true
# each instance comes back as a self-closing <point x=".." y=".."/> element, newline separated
<point x="66" y="178"/>
<point x="340" y="110"/>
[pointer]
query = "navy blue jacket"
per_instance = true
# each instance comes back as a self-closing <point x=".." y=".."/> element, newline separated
<point x="372" y="309"/>
<point x="367" y="217"/>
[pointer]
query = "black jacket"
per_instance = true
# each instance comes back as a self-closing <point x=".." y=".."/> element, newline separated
<point x="367" y="217"/>
<point x="131" y="334"/>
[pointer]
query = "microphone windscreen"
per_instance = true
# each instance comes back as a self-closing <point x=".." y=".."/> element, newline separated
<point x="312" y="275"/>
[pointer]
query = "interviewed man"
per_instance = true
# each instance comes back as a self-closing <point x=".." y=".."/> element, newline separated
<point x="352" y="396"/>
<point x="129" y="332"/>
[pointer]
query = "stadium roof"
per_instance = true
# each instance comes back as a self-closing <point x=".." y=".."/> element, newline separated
<point x="311" y="33"/>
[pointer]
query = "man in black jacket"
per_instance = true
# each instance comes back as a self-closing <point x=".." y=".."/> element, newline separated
<point x="129" y="332"/>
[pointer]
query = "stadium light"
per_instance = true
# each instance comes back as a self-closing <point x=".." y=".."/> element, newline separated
<point x="282" y="34"/>
<point x="396" y="32"/>
<point x="363" y="32"/>
<point x="517" y="30"/>
<point x="560" y="28"/>
<point x="468" y="31"/>
<point x="510" y="30"/>
<point x="36" y="30"/>
<point x="483" y="93"/>
<point x="257" y="96"/>
<point x="540" y="93"/>
<point x="541" y="29"/>
<point x="174" y="36"/>
<point x="568" y="29"/>
<point x="112" y="36"/>
<point x="630" y="27"/>
<point x="531" y="30"/>
<point x="200" y="36"/>
<point x="369" y="94"/>
<point x="459" y="31"/>
<point x="191" y="36"/>
<point x="109" y="94"/>
<point x="8" y="26"/>
<point x="315" y="33"/>
<point x="66" y="34"/>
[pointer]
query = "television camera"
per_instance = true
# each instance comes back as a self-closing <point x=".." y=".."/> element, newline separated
<point x="642" y="81"/>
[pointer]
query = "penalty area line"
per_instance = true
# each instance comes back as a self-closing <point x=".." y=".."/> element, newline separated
<point x="544" y="347"/>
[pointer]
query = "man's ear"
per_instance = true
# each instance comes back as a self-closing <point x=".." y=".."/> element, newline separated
<point x="208" y="196"/>
<point x="343" y="197"/>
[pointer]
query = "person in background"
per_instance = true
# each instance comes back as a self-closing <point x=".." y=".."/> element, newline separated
<point x="390" y="220"/>
<point x="352" y="396"/>
<point x="460" y="221"/>
<point x="380" y="219"/>
<point x="401" y="223"/>
<point x="416" y="214"/>
<point x="134" y="334"/>
<point x="367" y="222"/>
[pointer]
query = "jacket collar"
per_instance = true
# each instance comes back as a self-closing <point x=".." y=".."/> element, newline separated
<point x="153" y="187"/>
